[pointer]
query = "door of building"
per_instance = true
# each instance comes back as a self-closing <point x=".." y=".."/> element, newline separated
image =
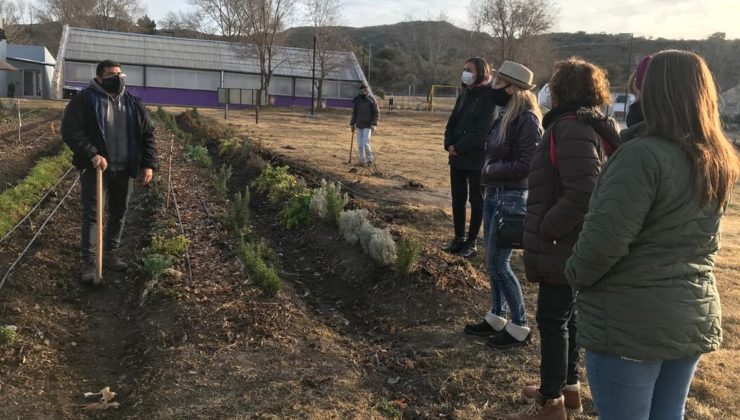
<point x="32" y="83"/>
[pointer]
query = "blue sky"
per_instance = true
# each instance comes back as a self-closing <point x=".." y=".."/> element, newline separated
<point x="680" y="19"/>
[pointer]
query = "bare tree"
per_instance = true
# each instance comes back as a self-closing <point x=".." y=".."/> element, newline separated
<point x="67" y="12"/>
<point x="257" y="25"/>
<point x="183" y="22"/>
<point x="265" y="22"/>
<point x="113" y="15"/>
<point x="116" y="15"/>
<point x="323" y="16"/>
<point x="224" y="16"/>
<point x="13" y="15"/>
<point x="431" y="44"/>
<point x="513" y="22"/>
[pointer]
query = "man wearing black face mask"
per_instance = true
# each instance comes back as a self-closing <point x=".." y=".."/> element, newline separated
<point x="108" y="128"/>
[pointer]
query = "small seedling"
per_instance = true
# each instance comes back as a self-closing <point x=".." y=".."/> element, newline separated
<point x="173" y="247"/>
<point x="407" y="255"/>
<point x="298" y="212"/>
<point x="8" y="335"/>
<point x="328" y="202"/>
<point x="221" y="179"/>
<point x="155" y="265"/>
<point x="237" y="219"/>
<point x="199" y="155"/>
<point x="263" y="276"/>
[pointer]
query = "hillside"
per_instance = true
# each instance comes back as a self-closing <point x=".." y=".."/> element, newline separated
<point x="423" y="53"/>
<point x="426" y="52"/>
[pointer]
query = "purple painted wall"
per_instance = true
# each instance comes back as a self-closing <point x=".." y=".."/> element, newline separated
<point x="207" y="98"/>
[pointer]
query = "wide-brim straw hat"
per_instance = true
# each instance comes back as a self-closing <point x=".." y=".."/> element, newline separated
<point x="516" y="74"/>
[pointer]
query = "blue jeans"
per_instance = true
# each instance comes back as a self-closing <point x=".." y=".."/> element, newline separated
<point x="636" y="390"/>
<point x="506" y="292"/>
<point x="363" y="145"/>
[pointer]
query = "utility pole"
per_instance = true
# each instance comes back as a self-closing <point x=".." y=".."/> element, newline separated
<point x="313" y="77"/>
<point x="627" y="85"/>
<point x="363" y="53"/>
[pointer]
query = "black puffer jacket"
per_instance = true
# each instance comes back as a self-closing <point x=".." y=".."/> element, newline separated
<point x="468" y="126"/>
<point x="508" y="159"/>
<point x="558" y="197"/>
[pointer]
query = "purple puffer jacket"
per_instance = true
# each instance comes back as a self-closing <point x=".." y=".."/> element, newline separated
<point x="507" y="160"/>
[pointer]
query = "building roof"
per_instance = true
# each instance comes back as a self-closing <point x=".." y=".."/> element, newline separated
<point x="161" y="51"/>
<point x="5" y="66"/>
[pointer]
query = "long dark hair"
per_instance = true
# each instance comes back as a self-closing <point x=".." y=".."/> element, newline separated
<point x="679" y="100"/>
<point x="482" y="69"/>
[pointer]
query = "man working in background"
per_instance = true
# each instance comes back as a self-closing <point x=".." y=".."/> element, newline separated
<point x="364" y="119"/>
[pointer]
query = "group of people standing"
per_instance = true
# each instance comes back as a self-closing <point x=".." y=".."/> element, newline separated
<point x="619" y="232"/>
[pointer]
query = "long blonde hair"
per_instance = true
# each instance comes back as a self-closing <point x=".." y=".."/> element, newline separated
<point x="679" y="100"/>
<point x="521" y="101"/>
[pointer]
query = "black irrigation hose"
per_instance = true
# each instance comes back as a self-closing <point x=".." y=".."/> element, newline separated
<point x="36" y="206"/>
<point x="38" y="232"/>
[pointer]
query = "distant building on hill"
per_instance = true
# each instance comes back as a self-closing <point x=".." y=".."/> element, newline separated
<point x="188" y="72"/>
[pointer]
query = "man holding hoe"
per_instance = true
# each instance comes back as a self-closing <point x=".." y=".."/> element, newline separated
<point x="109" y="129"/>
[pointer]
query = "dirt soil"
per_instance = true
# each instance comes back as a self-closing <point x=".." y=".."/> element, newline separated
<point x="345" y="338"/>
<point x="39" y="137"/>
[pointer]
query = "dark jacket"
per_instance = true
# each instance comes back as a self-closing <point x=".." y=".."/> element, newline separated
<point x="508" y="160"/>
<point x="634" y="114"/>
<point x="84" y="132"/>
<point x="558" y="197"/>
<point x="643" y="263"/>
<point x="469" y="124"/>
<point x="364" y="112"/>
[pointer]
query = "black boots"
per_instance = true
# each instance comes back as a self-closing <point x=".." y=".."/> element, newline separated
<point x="481" y="329"/>
<point x="462" y="247"/>
<point x="455" y="245"/>
<point x="469" y="250"/>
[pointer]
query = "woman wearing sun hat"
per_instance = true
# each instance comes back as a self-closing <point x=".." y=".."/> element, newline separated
<point x="509" y="149"/>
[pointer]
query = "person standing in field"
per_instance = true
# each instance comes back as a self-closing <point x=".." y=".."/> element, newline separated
<point x="465" y="139"/>
<point x="364" y="121"/>
<point x="647" y="303"/>
<point x="509" y="150"/>
<point x="577" y="141"/>
<point x="108" y="128"/>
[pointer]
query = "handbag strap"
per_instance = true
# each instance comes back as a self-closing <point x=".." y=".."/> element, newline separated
<point x="553" y="150"/>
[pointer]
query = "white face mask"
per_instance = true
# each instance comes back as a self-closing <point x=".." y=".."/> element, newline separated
<point x="467" y="78"/>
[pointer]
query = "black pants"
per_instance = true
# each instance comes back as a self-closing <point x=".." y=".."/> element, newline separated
<point x="559" y="353"/>
<point x="117" y="187"/>
<point x="466" y="184"/>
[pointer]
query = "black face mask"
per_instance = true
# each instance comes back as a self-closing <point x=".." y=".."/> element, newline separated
<point x="112" y="84"/>
<point x="500" y="97"/>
